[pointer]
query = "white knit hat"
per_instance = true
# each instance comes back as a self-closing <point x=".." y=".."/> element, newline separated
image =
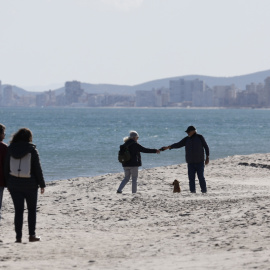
<point x="133" y="134"/>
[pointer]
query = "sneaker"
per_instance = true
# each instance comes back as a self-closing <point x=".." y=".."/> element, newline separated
<point x="118" y="191"/>
<point x="192" y="191"/>
<point x="18" y="240"/>
<point x="204" y="191"/>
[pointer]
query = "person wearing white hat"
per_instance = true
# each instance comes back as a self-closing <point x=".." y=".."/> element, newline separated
<point x="131" y="167"/>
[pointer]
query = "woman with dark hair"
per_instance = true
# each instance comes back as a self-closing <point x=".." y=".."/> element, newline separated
<point x="23" y="174"/>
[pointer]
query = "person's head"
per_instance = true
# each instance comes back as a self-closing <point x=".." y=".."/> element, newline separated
<point x="191" y="130"/>
<point x="22" y="135"/>
<point x="132" y="135"/>
<point x="2" y="132"/>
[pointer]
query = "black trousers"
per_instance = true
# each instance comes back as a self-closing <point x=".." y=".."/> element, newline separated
<point x="193" y="169"/>
<point x="18" y="197"/>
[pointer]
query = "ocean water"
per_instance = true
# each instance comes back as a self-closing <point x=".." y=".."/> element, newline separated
<point x="76" y="142"/>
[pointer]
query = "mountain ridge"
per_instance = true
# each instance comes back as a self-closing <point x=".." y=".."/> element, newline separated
<point x="239" y="81"/>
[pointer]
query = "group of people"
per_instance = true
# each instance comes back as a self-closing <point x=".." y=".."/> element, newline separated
<point x="21" y="173"/>
<point x="197" y="156"/>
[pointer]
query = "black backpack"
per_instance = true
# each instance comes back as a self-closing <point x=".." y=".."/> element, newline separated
<point x="124" y="154"/>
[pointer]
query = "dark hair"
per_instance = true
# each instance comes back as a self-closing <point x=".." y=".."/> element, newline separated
<point x="22" y="135"/>
<point x="2" y="128"/>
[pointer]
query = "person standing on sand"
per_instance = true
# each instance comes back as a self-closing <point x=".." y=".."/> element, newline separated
<point x="23" y="174"/>
<point x="195" y="145"/>
<point x="131" y="167"/>
<point x="3" y="151"/>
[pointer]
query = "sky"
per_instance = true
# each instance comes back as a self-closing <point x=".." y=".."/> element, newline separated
<point x="44" y="43"/>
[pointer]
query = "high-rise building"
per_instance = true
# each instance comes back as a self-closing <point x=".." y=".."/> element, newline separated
<point x="267" y="91"/>
<point x="182" y="90"/>
<point x="224" y="95"/>
<point x="145" y="98"/>
<point x="72" y="92"/>
<point x="161" y="97"/>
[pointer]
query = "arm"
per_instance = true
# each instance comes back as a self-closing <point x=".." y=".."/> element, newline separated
<point x="146" y="150"/>
<point x="175" y="145"/>
<point x="206" y="148"/>
<point x="6" y="168"/>
<point x="37" y="170"/>
<point x="3" y="153"/>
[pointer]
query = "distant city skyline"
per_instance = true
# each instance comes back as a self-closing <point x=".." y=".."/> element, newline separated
<point x="128" y="42"/>
<point x="53" y="86"/>
<point x="180" y="93"/>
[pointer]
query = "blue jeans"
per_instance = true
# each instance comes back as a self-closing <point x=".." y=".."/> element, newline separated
<point x="1" y="198"/>
<point x="198" y="168"/>
<point x="18" y="197"/>
<point x="133" y="172"/>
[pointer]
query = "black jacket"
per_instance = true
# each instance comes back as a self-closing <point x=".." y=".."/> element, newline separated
<point x="135" y="149"/>
<point x="19" y="150"/>
<point x="195" y="146"/>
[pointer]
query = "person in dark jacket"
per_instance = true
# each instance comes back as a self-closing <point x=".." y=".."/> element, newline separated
<point x="3" y="151"/>
<point x="131" y="167"/>
<point x="23" y="174"/>
<point x="196" y="148"/>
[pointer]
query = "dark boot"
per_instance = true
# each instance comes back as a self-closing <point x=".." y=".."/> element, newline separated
<point x="33" y="238"/>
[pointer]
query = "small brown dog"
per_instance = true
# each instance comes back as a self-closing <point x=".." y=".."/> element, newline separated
<point x="176" y="186"/>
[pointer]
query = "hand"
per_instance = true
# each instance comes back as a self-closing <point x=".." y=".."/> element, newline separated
<point x="207" y="160"/>
<point x="164" y="148"/>
<point x="42" y="190"/>
<point x="158" y="151"/>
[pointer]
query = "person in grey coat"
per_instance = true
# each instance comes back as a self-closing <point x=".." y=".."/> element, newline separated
<point x="131" y="167"/>
<point x="196" y="148"/>
<point x="23" y="175"/>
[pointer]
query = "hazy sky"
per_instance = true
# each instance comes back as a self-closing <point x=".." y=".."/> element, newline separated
<point x="130" y="41"/>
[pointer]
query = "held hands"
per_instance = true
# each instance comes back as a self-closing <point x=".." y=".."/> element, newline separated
<point x="164" y="148"/>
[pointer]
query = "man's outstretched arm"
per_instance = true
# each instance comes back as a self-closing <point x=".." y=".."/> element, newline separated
<point x="175" y="145"/>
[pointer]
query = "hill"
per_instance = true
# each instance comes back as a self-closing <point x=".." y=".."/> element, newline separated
<point x="239" y="81"/>
<point x="102" y="88"/>
<point x="20" y="91"/>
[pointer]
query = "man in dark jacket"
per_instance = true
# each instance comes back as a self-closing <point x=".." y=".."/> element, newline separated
<point x="131" y="167"/>
<point x="195" y="145"/>
<point x="3" y="151"/>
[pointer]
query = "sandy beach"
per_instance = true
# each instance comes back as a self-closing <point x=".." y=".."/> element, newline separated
<point x="84" y="224"/>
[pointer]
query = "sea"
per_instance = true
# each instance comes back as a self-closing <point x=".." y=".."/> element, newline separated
<point x="81" y="142"/>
